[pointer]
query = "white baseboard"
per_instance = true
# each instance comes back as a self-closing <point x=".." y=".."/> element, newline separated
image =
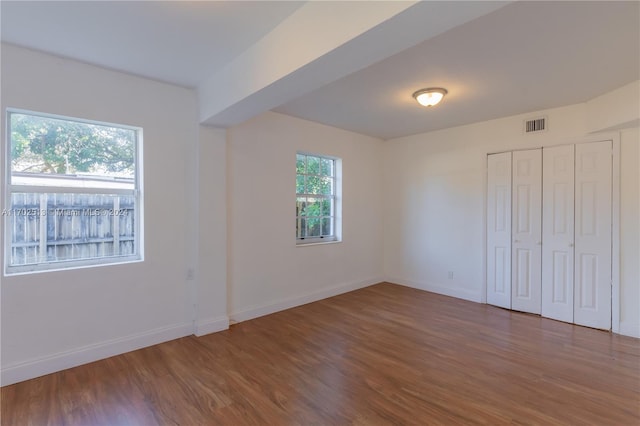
<point x="33" y="368"/>
<point x="460" y="293"/>
<point x="261" y="310"/>
<point x="210" y="325"/>
<point x="630" y="329"/>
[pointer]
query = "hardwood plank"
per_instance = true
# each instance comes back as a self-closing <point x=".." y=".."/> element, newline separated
<point x="385" y="354"/>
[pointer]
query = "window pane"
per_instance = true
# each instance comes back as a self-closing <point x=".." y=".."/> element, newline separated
<point x="326" y="186"/>
<point x="312" y="207"/>
<point x="300" y="168"/>
<point x="327" y="228"/>
<point x="301" y="202"/>
<point x="326" y="208"/>
<point x="51" y="146"/>
<point x="313" y="165"/>
<point x="300" y="185"/>
<point x="313" y="227"/>
<point x="319" y="185"/>
<point x="326" y="167"/>
<point x="59" y="227"/>
<point x="301" y="227"/>
<point x="313" y="185"/>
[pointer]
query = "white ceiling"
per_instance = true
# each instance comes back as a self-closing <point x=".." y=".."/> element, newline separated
<point x="524" y="57"/>
<point x="498" y="60"/>
<point x="180" y="42"/>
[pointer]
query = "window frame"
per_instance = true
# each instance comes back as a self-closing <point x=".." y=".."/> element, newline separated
<point x="335" y="197"/>
<point x="10" y="188"/>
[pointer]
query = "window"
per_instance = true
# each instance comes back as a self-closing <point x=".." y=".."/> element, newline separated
<point x="316" y="198"/>
<point x="73" y="193"/>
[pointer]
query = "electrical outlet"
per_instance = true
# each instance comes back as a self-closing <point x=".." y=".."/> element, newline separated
<point x="450" y="275"/>
<point x="191" y="274"/>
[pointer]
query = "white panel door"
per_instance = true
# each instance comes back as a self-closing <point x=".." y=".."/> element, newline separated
<point x="526" y="231"/>
<point x="593" y="178"/>
<point x="557" y="232"/>
<point x="499" y="230"/>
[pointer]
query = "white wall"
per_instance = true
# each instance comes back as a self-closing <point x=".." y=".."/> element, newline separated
<point x="267" y="272"/>
<point x="434" y="188"/>
<point x="54" y="320"/>
<point x="630" y="232"/>
<point x="211" y="272"/>
<point x="617" y="109"/>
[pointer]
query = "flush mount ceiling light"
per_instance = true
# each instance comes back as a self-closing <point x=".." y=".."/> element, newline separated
<point x="430" y="97"/>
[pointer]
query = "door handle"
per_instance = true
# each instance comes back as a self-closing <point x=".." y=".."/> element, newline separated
<point x="570" y="244"/>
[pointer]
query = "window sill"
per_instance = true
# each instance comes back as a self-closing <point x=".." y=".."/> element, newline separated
<point x="317" y="243"/>
<point x="70" y="265"/>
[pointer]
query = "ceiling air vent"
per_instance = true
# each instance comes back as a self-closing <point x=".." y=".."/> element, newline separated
<point x="535" y="125"/>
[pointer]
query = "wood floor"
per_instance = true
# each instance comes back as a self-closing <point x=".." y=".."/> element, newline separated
<point x="382" y="355"/>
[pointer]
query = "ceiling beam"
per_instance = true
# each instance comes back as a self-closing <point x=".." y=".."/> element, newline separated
<point x="320" y="43"/>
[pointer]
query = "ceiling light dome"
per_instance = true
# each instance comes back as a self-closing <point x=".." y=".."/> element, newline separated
<point x="430" y="97"/>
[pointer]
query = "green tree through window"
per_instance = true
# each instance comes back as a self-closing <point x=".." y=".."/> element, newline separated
<point x="49" y="145"/>
<point x="315" y="198"/>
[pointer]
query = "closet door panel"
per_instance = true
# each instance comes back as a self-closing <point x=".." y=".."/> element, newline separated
<point x="527" y="231"/>
<point x="557" y="232"/>
<point x="499" y="230"/>
<point x="593" y="179"/>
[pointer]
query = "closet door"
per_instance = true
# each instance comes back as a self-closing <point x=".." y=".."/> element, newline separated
<point x="593" y="179"/>
<point x="526" y="279"/>
<point x="557" y="232"/>
<point x="499" y="230"/>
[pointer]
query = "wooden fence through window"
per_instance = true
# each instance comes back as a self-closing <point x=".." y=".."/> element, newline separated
<point x="60" y="227"/>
